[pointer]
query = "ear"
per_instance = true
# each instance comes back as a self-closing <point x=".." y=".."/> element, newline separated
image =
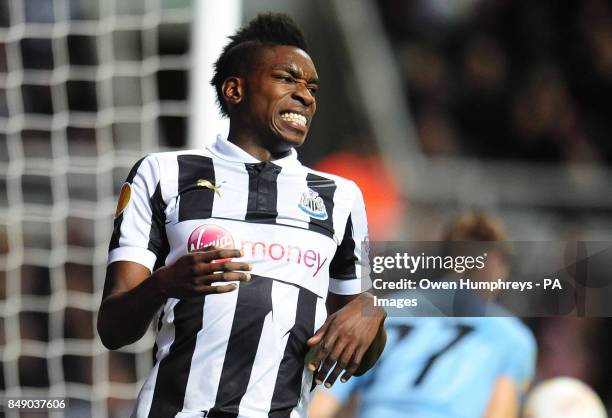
<point x="233" y="90"/>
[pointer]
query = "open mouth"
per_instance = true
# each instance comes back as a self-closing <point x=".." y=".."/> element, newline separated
<point x="296" y="119"/>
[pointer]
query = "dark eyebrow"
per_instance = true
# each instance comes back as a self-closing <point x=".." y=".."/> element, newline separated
<point x="295" y="72"/>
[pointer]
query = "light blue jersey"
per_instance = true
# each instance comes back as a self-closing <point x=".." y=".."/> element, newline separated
<point x="442" y="367"/>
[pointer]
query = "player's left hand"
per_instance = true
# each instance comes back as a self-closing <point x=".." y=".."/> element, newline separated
<point x="344" y="338"/>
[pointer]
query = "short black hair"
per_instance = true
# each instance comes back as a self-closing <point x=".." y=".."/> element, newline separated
<point x="269" y="29"/>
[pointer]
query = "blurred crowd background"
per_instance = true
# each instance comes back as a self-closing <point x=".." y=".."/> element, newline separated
<point x="504" y="105"/>
<point x="507" y="79"/>
<point x="524" y="81"/>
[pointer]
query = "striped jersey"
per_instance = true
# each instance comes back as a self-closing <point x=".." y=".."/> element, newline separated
<point x="242" y="353"/>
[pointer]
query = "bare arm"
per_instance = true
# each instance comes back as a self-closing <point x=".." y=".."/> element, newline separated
<point x="349" y="339"/>
<point x="132" y="295"/>
<point x="324" y="405"/>
<point x="337" y="302"/>
<point x="130" y="300"/>
<point x="503" y="402"/>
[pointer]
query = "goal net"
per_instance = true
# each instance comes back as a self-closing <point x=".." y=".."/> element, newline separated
<point x="86" y="88"/>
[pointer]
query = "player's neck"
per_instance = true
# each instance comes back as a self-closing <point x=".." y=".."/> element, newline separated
<point x="254" y="147"/>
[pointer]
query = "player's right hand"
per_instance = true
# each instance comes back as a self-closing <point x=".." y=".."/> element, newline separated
<point x="194" y="274"/>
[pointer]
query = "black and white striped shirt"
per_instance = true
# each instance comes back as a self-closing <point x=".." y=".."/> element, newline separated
<point x="242" y="353"/>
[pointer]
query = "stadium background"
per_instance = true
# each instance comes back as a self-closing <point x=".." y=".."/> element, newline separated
<point x="432" y="106"/>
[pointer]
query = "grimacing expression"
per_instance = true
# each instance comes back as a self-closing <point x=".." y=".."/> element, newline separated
<point x="280" y="95"/>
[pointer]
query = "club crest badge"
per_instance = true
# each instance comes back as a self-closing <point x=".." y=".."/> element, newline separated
<point x="312" y="204"/>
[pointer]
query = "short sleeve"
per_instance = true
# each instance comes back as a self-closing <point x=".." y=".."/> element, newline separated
<point x="520" y="366"/>
<point x="349" y="270"/>
<point x="139" y="226"/>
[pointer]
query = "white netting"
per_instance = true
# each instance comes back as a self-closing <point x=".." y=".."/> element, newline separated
<point x="86" y="88"/>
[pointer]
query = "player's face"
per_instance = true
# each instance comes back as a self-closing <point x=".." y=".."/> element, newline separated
<point x="281" y="95"/>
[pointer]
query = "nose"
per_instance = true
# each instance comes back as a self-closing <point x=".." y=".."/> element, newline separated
<point x="304" y="95"/>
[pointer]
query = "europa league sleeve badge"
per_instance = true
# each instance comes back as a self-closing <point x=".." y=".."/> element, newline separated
<point x="124" y="199"/>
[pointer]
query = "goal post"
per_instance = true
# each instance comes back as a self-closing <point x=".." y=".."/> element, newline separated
<point x="213" y="22"/>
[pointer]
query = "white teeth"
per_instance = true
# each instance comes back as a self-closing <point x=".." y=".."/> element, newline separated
<point x="294" y="117"/>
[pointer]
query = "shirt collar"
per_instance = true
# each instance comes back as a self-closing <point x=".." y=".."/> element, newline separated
<point x="226" y="150"/>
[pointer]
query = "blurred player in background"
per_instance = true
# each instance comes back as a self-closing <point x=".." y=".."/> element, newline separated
<point x="443" y="367"/>
<point x="237" y="244"/>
